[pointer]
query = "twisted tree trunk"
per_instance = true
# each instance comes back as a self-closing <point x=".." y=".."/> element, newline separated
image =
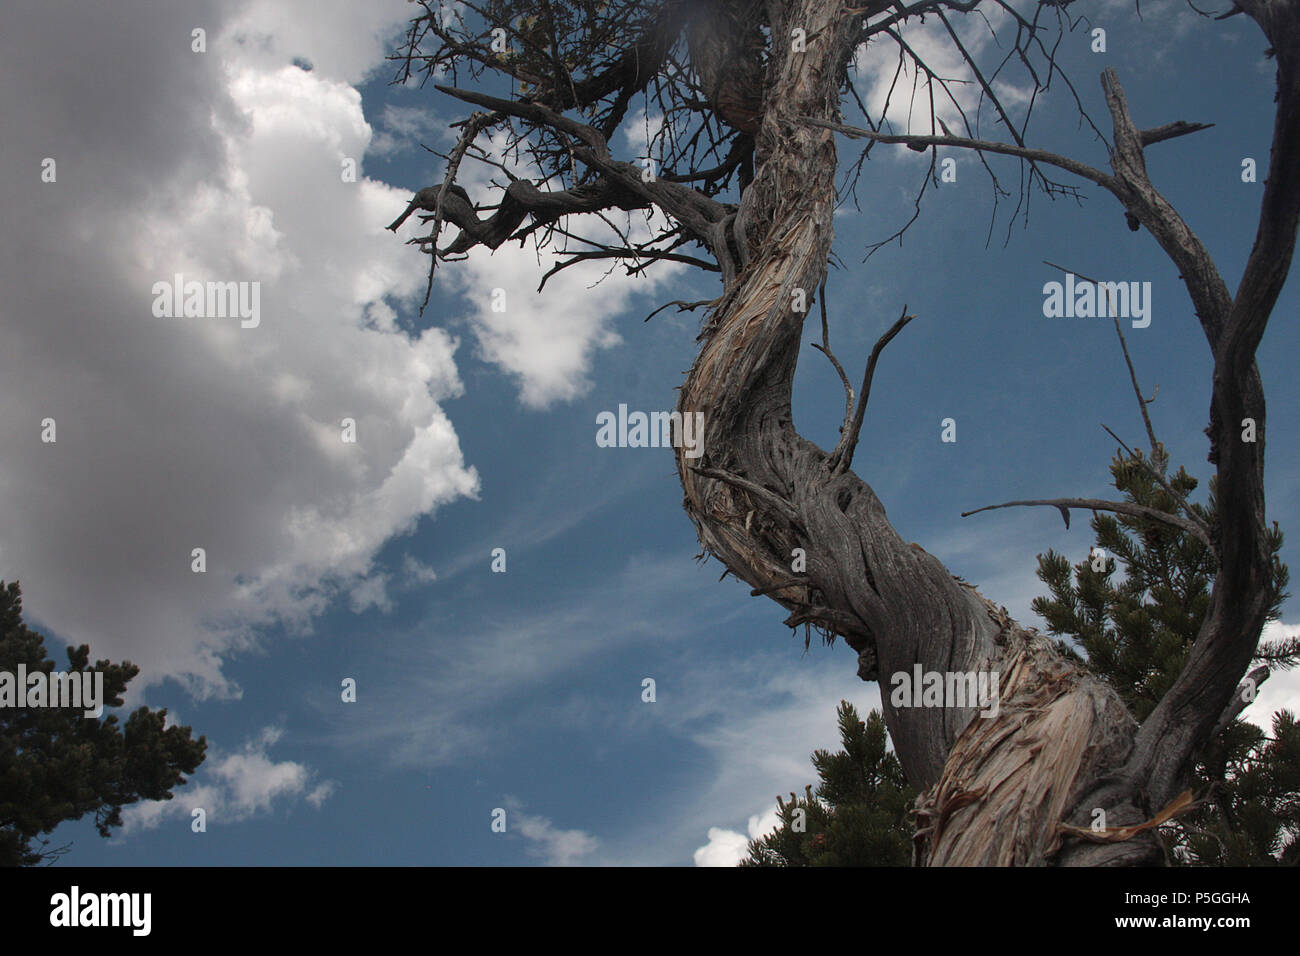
<point x="998" y="786"/>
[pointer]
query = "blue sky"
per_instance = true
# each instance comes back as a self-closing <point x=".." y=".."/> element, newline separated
<point x="520" y="690"/>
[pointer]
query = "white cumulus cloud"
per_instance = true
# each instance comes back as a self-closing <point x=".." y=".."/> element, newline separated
<point x="180" y="433"/>
<point x="233" y="787"/>
<point x="728" y="848"/>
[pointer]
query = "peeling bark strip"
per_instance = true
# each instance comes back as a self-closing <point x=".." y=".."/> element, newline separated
<point x="1011" y="779"/>
<point x="1019" y="787"/>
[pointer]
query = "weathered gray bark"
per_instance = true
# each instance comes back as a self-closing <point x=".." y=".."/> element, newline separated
<point x="889" y="599"/>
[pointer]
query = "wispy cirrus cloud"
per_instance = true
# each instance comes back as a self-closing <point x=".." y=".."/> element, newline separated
<point x="554" y="846"/>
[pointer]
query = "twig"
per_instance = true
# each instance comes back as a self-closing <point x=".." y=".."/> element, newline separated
<point x="920" y="142"/>
<point x="825" y="349"/>
<point x="682" y="306"/>
<point x="1241" y="699"/>
<point x="842" y="457"/>
<point x="1164" y="483"/>
<point x="1137" y="390"/>
<point x="626" y="253"/>
<point x="1096" y="504"/>
<point x="763" y="494"/>
<point x="472" y="127"/>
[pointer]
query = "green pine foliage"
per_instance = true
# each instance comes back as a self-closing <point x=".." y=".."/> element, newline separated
<point x="1134" y="624"/>
<point x="858" y="814"/>
<point x="56" y="764"/>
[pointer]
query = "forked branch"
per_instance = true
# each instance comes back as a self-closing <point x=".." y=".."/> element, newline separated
<point x="842" y="457"/>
